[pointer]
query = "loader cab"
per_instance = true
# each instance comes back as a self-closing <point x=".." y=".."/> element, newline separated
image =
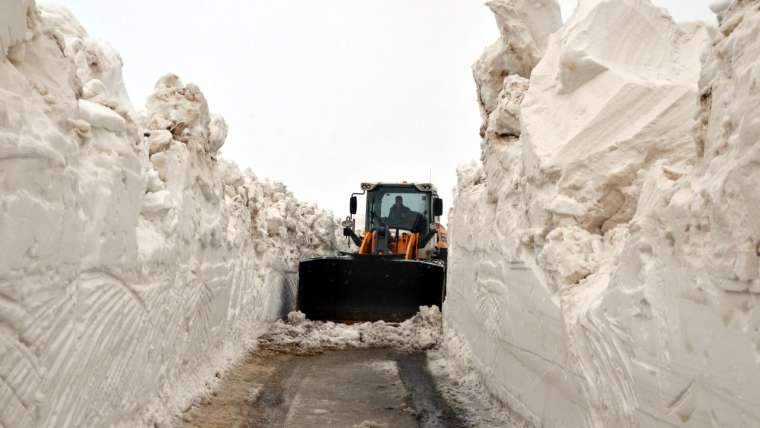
<point x="409" y="207"/>
<point x="400" y="220"/>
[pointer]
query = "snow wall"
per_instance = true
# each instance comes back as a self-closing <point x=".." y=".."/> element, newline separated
<point x="604" y="252"/>
<point x="134" y="264"/>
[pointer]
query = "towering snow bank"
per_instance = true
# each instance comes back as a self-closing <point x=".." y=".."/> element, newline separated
<point x="604" y="256"/>
<point x="133" y="267"/>
<point x="524" y="27"/>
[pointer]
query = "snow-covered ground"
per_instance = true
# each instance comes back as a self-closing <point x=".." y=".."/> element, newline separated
<point x="604" y="253"/>
<point x="134" y="263"/>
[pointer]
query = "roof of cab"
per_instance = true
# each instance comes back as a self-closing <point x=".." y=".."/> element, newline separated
<point x="422" y="187"/>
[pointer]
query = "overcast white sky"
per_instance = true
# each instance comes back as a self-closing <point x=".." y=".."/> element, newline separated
<point x="323" y="95"/>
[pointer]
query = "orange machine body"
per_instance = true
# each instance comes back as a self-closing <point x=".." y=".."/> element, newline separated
<point x="405" y="244"/>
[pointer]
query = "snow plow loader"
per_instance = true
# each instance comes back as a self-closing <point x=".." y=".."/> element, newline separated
<point x="399" y="263"/>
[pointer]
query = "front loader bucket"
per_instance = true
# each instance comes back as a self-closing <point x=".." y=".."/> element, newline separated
<point x="368" y="288"/>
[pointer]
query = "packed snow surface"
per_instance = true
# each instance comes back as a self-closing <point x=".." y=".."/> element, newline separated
<point x="604" y="265"/>
<point x="134" y="262"/>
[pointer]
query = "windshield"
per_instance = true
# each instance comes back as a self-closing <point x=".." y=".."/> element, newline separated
<point x="398" y="208"/>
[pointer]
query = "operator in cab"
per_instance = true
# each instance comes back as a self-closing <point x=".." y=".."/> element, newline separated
<point x="405" y="218"/>
<point x="399" y="212"/>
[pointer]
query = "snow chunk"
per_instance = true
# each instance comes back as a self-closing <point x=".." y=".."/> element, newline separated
<point x="370" y="424"/>
<point x="421" y="332"/>
<point x="217" y="130"/>
<point x="100" y="116"/>
<point x="159" y="141"/>
<point x="183" y="110"/>
<point x="156" y="202"/>
<point x="570" y="254"/>
<point x="505" y="118"/>
<point x="720" y="6"/>
<point x="524" y="27"/>
<point x="561" y="204"/>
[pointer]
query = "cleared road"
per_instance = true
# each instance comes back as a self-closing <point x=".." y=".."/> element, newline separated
<point x="352" y="388"/>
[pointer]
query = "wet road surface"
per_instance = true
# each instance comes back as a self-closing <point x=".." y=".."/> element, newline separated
<point x="350" y="388"/>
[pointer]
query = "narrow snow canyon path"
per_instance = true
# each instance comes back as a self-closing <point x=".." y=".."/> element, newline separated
<point x="356" y="387"/>
<point x="309" y="374"/>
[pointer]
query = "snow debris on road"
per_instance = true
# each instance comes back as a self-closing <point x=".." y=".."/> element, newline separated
<point x="301" y="336"/>
<point x="371" y="424"/>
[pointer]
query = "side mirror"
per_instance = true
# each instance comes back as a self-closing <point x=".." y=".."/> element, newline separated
<point x="352" y="205"/>
<point x="437" y="207"/>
